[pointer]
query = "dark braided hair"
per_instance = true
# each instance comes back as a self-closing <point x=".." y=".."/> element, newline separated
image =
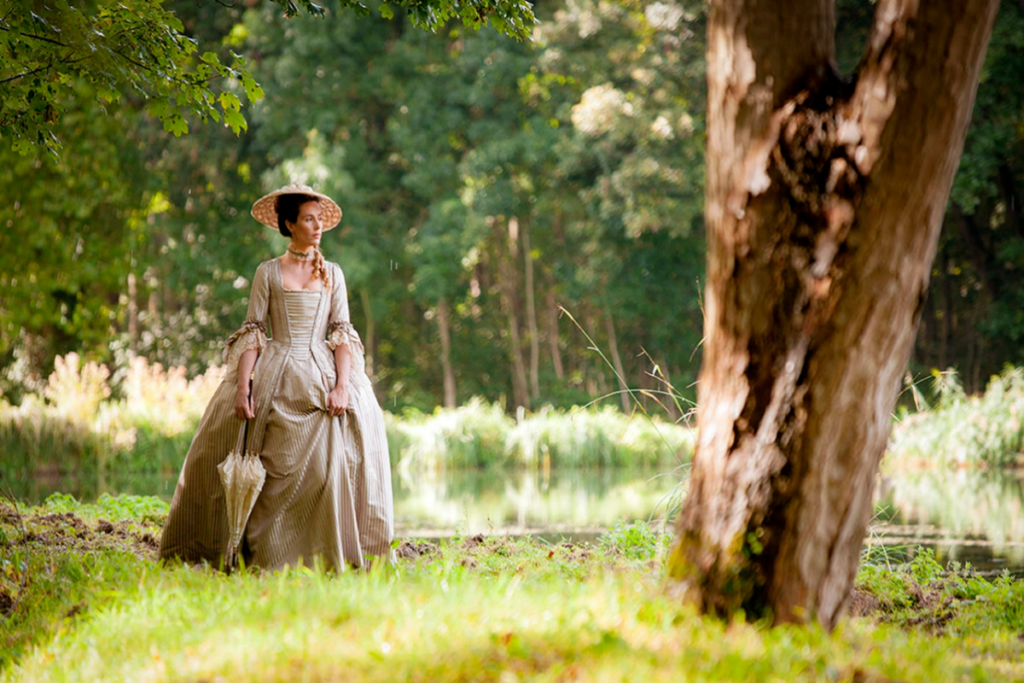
<point x="287" y="207"/>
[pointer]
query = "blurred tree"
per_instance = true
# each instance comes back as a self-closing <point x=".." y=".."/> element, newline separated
<point x="64" y="246"/>
<point x="974" y="317"/>
<point x="485" y="183"/>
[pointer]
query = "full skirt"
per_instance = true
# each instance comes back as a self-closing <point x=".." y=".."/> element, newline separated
<point x="327" y="495"/>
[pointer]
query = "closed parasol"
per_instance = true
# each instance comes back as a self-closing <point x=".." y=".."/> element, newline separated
<point x="242" y="475"/>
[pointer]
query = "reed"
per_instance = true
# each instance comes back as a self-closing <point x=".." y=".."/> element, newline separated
<point x="80" y="425"/>
<point x="76" y="425"/>
<point x="482" y="435"/>
<point x="964" y="431"/>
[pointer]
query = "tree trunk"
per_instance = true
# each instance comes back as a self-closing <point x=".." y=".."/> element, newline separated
<point x="133" y="315"/>
<point x="506" y="273"/>
<point x="368" y="344"/>
<point x="823" y="207"/>
<point x="520" y="395"/>
<point x="620" y="371"/>
<point x="531" y="313"/>
<point x="552" y="333"/>
<point x="444" y="329"/>
<point x="948" y="312"/>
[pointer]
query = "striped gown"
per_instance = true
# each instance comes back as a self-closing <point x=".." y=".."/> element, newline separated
<point x="327" y="495"/>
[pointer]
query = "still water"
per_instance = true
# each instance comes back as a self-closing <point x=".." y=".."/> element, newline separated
<point x="468" y="502"/>
<point x="965" y="516"/>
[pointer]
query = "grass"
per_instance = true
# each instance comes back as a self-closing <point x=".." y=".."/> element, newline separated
<point x="471" y="609"/>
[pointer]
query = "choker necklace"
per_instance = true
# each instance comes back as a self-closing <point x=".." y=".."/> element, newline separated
<point x="301" y="255"/>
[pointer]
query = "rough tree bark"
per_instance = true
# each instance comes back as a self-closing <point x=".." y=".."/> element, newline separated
<point x="824" y="200"/>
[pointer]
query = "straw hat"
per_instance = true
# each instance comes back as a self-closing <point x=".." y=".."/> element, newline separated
<point x="263" y="210"/>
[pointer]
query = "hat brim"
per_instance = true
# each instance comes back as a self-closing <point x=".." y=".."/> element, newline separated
<point x="263" y="210"/>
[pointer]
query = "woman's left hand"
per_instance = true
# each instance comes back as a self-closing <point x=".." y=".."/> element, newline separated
<point x="337" y="401"/>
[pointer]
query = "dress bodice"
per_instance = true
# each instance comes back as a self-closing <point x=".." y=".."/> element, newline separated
<point x="300" y="310"/>
<point x="296" y="316"/>
<point x="302" y="324"/>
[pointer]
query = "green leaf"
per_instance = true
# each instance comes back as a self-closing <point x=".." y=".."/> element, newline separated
<point x="108" y="95"/>
<point x="252" y="89"/>
<point x="229" y="102"/>
<point x="176" y="124"/>
<point x="235" y="121"/>
<point x="22" y="147"/>
<point x="161" y="109"/>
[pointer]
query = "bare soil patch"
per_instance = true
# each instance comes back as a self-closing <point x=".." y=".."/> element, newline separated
<point x="68" y="532"/>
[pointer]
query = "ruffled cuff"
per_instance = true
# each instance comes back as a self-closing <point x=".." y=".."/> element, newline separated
<point x="342" y="332"/>
<point x="251" y="335"/>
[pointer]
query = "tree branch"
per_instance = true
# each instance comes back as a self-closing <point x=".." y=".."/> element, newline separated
<point x="42" y="68"/>
<point x="35" y="37"/>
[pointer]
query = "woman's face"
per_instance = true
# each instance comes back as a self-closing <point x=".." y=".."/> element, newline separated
<point x="307" y="228"/>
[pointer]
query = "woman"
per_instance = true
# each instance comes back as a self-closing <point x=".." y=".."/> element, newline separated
<point x="313" y="418"/>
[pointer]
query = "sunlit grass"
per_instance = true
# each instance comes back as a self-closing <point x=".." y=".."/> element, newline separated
<point x="473" y="609"/>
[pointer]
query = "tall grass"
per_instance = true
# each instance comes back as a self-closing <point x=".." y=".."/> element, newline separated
<point x="965" y="431"/>
<point x="482" y="435"/>
<point x="77" y="425"/>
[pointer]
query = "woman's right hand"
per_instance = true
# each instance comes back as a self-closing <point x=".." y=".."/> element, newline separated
<point x="243" y="404"/>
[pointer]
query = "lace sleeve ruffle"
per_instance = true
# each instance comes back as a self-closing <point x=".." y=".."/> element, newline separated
<point x="342" y="332"/>
<point x="251" y="335"/>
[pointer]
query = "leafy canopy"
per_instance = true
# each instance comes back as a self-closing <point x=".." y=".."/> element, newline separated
<point x="512" y="17"/>
<point x="137" y="50"/>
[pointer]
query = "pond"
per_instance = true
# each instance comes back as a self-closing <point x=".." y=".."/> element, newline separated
<point x="428" y="504"/>
<point x="965" y="516"/>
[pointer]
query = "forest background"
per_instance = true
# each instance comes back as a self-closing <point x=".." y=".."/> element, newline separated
<point x="485" y="183"/>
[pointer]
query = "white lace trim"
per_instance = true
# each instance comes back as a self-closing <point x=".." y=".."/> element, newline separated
<point x="343" y="333"/>
<point x="252" y="335"/>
